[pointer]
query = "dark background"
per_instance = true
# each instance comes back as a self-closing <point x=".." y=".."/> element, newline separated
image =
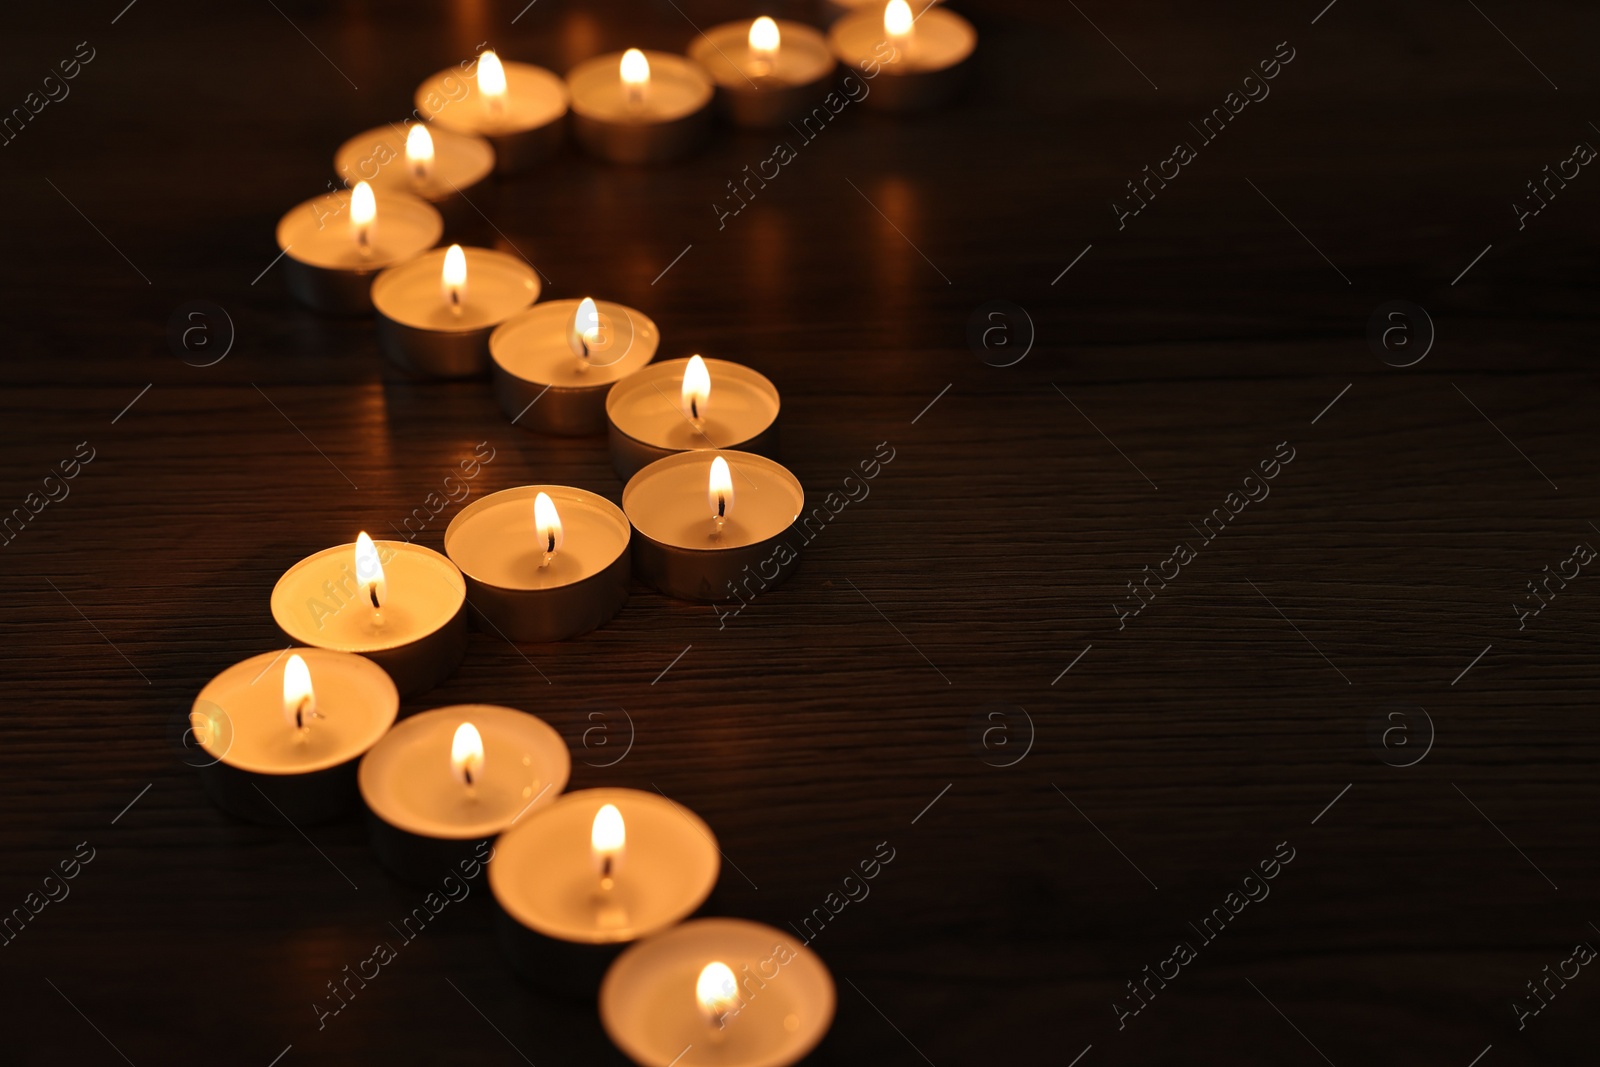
<point x="823" y="720"/>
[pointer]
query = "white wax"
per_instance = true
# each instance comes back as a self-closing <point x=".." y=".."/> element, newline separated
<point x="802" y="57"/>
<point x="648" y="406"/>
<point x="498" y="286"/>
<point x="407" y="780"/>
<point x="938" y="39"/>
<point x="543" y="872"/>
<point x="378" y="157"/>
<point x="355" y="698"/>
<point x="319" y="602"/>
<point x="533" y="345"/>
<point x="318" y="232"/>
<point x="534" y="97"/>
<point x="495" y="541"/>
<point x="666" y="501"/>
<point x="787" y="998"/>
<point x="678" y="87"/>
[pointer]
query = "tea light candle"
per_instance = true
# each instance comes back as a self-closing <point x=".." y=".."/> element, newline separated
<point x="542" y="562"/>
<point x="332" y="245"/>
<point x="519" y="107"/>
<point x="436" y="312"/>
<point x="399" y="604"/>
<point x="593" y="871"/>
<point x="682" y="404"/>
<point x="717" y="993"/>
<point x="833" y="9"/>
<point x="555" y="363"/>
<point x="709" y="524"/>
<point x="920" y="60"/>
<point x="640" y="107"/>
<point x="439" y="165"/>
<point x="768" y="72"/>
<point x="285" y="731"/>
<point x="444" y="781"/>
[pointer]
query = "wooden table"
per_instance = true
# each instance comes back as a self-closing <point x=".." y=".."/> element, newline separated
<point x="1339" y="674"/>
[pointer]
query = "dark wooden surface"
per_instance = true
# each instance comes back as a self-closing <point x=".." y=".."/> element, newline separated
<point x="1221" y="721"/>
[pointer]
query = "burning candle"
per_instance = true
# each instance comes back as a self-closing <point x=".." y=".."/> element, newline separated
<point x="640" y="107"/>
<point x="333" y="245"/>
<point x="436" y="312"/>
<point x="682" y="404"/>
<point x="440" y="166"/>
<point x="520" y="108"/>
<point x="922" y="57"/>
<point x="399" y="604"/>
<point x="698" y="537"/>
<point x="555" y="363"/>
<point x="542" y="562"/>
<point x="833" y="9"/>
<point x="444" y="781"/>
<point x="597" y="869"/>
<point x="285" y="730"/>
<point x="768" y="72"/>
<point x="723" y="992"/>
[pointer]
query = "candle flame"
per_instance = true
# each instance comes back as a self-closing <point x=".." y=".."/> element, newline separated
<point x="635" y="69"/>
<point x="583" y="333"/>
<point x="491" y="77"/>
<point x="608" y="838"/>
<point x="363" y="209"/>
<point x="466" y="754"/>
<point x="717" y="991"/>
<point x="299" y="699"/>
<point x="763" y="39"/>
<point x="453" y="278"/>
<point x="608" y="834"/>
<point x="548" y="522"/>
<point x="363" y="206"/>
<point x="719" y="490"/>
<point x="419" y="151"/>
<point x="696" y="392"/>
<point x="897" y="19"/>
<point x="369" y="571"/>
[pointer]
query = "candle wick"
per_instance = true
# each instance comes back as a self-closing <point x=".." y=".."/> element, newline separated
<point x="302" y="712"/>
<point x="455" y="300"/>
<point x="466" y="773"/>
<point x="372" y="591"/>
